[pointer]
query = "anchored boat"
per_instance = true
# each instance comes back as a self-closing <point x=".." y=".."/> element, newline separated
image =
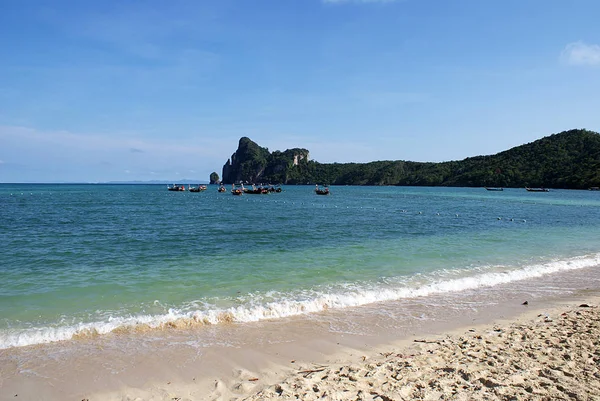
<point x="176" y="187"/>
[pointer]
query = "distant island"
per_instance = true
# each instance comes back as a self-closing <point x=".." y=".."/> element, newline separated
<point x="569" y="160"/>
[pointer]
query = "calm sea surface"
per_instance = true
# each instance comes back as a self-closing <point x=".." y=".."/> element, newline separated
<point x="79" y="259"/>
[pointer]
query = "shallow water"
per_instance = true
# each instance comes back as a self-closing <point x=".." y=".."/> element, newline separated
<point x="77" y="260"/>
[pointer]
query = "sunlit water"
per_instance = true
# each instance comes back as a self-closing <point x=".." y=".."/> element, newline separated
<point x="81" y="259"/>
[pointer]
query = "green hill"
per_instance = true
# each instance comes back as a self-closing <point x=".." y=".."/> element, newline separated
<point x="570" y="159"/>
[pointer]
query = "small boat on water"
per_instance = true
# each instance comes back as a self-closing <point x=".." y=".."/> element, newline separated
<point x="221" y="188"/>
<point x="321" y="191"/>
<point x="256" y="190"/>
<point x="494" y="188"/>
<point x="272" y="188"/>
<point x="237" y="191"/>
<point x="537" y="189"/>
<point x="594" y="188"/>
<point x="176" y="187"/>
<point x="198" y="188"/>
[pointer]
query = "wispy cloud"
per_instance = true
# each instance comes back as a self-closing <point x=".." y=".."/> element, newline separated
<point x="580" y="53"/>
<point x="98" y="142"/>
<point x="100" y="157"/>
<point x="135" y="47"/>
<point x="138" y="30"/>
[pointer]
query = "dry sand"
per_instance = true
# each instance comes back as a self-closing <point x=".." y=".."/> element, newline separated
<point x="551" y="357"/>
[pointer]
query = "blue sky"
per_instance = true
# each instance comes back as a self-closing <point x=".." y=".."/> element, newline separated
<point x="95" y="91"/>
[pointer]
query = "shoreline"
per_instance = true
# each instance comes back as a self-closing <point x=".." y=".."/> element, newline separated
<point x="241" y="373"/>
<point x="321" y="302"/>
<point x="482" y="361"/>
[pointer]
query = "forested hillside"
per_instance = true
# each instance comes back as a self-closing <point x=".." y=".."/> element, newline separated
<point x="569" y="159"/>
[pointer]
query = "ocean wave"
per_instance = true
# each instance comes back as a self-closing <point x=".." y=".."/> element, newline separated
<point x="280" y="305"/>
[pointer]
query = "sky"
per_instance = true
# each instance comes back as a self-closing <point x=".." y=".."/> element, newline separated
<point x="140" y="90"/>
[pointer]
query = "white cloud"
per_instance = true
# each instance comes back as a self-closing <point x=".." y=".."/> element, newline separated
<point x="580" y="53"/>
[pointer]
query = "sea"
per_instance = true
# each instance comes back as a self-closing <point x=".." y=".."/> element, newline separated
<point x="91" y="260"/>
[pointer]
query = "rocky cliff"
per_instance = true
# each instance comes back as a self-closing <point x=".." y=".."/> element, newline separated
<point x="254" y="164"/>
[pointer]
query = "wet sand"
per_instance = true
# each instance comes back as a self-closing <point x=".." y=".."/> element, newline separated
<point x="539" y="351"/>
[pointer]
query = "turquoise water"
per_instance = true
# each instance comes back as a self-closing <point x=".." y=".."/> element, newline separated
<point x="76" y="259"/>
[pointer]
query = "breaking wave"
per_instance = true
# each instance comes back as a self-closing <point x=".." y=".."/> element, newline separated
<point x="280" y="305"/>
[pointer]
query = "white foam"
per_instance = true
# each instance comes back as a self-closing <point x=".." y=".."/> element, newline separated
<point x="257" y="308"/>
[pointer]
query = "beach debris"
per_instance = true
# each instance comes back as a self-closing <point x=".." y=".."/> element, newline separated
<point x="525" y="303"/>
<point x="584" y="306"/>
<point x="428" y="341"/>
<point x="309" y="372"/>
<point x="546" y="316"/>
<point x="293" y="361"/>
<point x="253" y="379"/>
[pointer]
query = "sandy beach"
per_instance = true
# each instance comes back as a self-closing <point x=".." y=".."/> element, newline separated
<point x="549" y="357"/>
<point x="542" y="354"/>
